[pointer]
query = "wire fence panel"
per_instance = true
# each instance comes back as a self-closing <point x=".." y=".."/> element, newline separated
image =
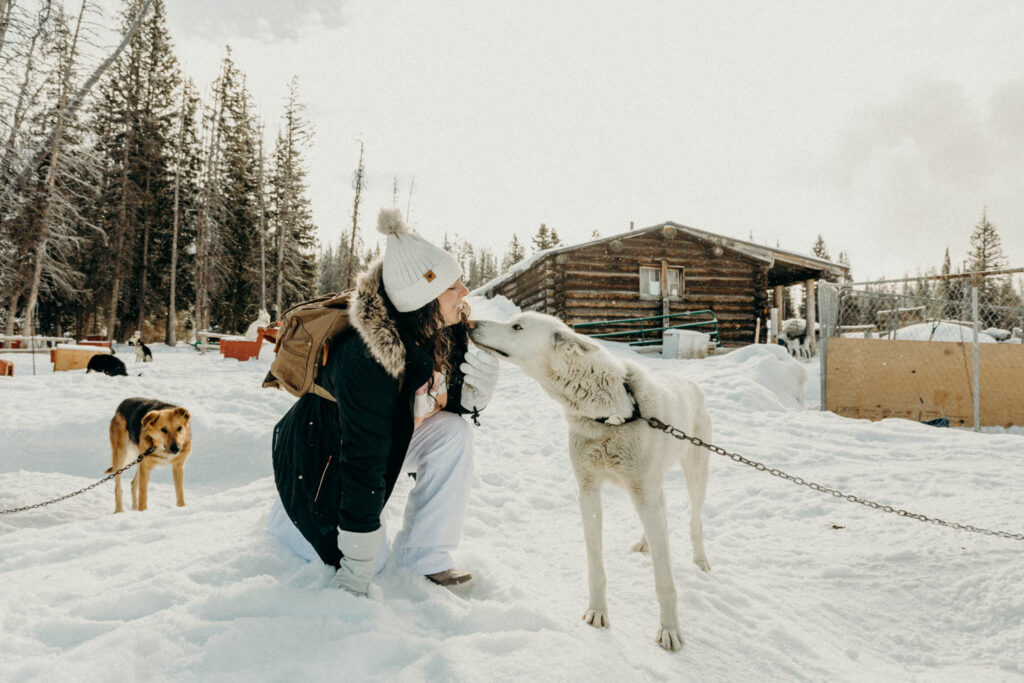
<point x="966" y="366"/>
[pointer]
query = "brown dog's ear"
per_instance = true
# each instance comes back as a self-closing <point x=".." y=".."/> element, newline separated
<point x="183" y="413"/>
<point x="572" y="343"/>
<point x="149" y="418"/>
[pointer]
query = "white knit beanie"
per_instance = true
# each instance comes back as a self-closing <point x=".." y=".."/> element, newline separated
<point x="415" y="271"/>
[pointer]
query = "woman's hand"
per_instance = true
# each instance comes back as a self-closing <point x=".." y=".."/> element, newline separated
<point x="480" y="372"/>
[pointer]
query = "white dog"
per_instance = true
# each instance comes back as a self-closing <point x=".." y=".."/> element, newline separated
<point x="262" y="320"/>
<point x="602" y="396"/>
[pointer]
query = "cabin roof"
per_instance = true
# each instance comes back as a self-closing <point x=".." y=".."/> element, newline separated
<point x="785" y="267"/>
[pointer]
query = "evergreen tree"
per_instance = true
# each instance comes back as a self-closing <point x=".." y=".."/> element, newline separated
<point x="820" y="250"/>
<point x="358" y="184"/>
<point x="487" y="268"/>
<point x="545" y="239"/>
<point x="986" y="252"/>
<point x="556" y="241"/>
<point x="844" y="259"/>
<point x="134" y="130"/>
<point x="177" y="251"/>
<point x="294" y="231"/>
<point x="516" y="253"/>
<point x="998" y="301"/>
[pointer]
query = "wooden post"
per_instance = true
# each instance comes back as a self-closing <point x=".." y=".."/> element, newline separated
<point x="664" y="289"/>
<point x="812" y="314"/>
<point x="777" y="316"/>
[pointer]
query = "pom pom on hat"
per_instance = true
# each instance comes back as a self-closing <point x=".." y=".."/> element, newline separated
<point x="389" y="222"/>
<point x="415" y="271"/>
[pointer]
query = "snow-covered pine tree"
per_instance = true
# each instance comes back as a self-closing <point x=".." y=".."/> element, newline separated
<point x="185" y="164"/>
<point x="236" y="304"/>
<point x="134" y="132"/>
<point x="211" y="206"/>
<point x="293" y="227"/>
<point x="261" y="208"/>
<point x="158" y="114"/>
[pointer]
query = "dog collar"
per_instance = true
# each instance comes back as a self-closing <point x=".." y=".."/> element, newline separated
<point x="636" y="408"/>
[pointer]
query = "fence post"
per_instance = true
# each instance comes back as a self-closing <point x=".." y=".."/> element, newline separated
<point x="828" y="316"/>
<point x="977" y="373"/>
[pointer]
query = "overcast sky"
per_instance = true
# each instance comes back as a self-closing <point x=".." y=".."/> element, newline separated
<point x="887" y="127"/>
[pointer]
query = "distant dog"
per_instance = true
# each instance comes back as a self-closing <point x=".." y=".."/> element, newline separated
<point x="108" y="364"/>
<point x="142" y="352"/>
<point x="793" y="335"/>
<point x="601" y="396"/>
<point x="141" y="424"/>
<point x="262" y="320"/>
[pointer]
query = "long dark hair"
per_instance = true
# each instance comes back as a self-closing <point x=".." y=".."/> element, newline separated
<point x="426" y="328"/>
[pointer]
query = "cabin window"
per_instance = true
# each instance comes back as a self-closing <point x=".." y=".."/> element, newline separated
<point x="650" y="282"/>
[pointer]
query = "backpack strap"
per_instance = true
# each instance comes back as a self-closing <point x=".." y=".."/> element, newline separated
<point x="322" y="393"/>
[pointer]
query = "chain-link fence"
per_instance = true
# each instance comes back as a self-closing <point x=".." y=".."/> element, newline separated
<point x="973" y="379"/>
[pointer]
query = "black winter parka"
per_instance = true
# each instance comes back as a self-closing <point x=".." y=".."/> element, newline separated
<point x="335" y="464"/>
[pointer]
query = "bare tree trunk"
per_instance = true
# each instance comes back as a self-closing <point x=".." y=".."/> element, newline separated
<point x="12" y="309"/>
<point x="352" y="254"/>
<point x="6" y="7"/>
<point x="170" y="335"/>
<point x="282" y="232"/>
<point x="283" y="225"/>
<point x="122" y="231"/>
<point x="76" y="101"/>
<point x="263" y="230"/>
<point x="144" y="281"/>
<point x="51" y="181"/>
<point x="24" y="99"/>
<point x="204" y="237"/>
<point x="408" y="204"/>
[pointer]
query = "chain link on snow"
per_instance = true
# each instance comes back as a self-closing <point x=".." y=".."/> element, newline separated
<point x="90" y="486"/>
<point x="655" y="423"/>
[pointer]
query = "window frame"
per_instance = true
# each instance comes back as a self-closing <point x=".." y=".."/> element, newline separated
<point x="646" y="296"/>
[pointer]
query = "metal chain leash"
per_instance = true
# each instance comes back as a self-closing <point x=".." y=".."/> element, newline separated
<point x="90" y="486"/>
<point x="655" y="423"/>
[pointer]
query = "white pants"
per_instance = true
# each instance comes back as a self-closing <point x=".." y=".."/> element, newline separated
<point x="441" y="455"/>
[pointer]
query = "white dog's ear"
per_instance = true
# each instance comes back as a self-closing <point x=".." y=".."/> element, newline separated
<point x="572" y="343"/>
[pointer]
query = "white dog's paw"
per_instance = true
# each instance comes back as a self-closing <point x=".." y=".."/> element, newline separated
<point x="615" y="420"/>
<point x="640" y="546"/>
<point x="598" y="618"/>
<point x="703" y="563"/>
<point x="670" y="639"/>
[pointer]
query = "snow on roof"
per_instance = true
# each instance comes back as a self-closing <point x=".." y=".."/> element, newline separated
<point x="760" y="252"/>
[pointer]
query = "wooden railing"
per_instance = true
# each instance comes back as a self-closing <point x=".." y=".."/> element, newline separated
<point x="637" y="334"/>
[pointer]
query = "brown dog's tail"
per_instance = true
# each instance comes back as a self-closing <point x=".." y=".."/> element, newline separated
<point x="109" y="470"/>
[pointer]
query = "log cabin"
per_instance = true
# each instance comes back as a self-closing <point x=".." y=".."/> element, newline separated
<point x="664" y="269"/>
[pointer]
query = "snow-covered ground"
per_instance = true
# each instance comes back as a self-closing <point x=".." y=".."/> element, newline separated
<point x="803" y="586"/>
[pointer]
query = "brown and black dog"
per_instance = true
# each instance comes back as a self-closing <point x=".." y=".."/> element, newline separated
<point x="138" y="425"/>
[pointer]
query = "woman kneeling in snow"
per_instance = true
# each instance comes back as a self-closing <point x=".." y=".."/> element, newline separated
<point x="402" y="377"/>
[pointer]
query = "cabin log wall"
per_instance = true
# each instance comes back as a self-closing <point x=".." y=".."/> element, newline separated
<point x="602" y="282"/>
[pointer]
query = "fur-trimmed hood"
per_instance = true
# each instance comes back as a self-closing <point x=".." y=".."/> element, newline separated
<point x="368" y="314"/>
